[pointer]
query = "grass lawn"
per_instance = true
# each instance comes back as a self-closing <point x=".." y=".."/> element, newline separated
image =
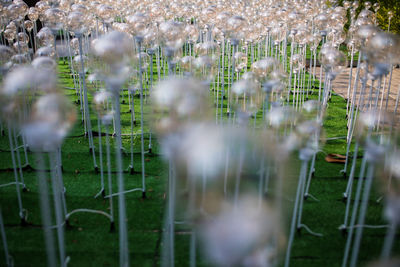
<point x="89" y="241"/>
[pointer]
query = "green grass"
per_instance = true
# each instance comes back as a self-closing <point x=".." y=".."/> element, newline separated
<point x="90" y="243"/>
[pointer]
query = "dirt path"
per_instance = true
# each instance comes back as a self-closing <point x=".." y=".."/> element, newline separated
<point x="385" y="102"/>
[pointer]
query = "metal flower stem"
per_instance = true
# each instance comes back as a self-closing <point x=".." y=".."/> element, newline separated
<point x="325" y="92"/>
<point x="217" y="89"/>
<point x="290" y="70"/>
<point x="133" y="123"/>
<point x="165" y="65"/>
<point x="16" y="149"/>
<point x="279" y="52"/>
<point x="352" y="105"/>
<point x="191" y="211"/>
<point x="109" y="177"/>
<point x="229" y="58"/>
<point x="304" y="90"/>
<point x="170" y="64"/>
<point x="150" y="88"/>
<point x="203" y="186"/>
<point x="30" y="34"/>
<point x="303" y="172"/>
<point x="349" y="186"/>
<point x="77" y="84"/>
<point x="382" y="97"/>
<point x="214" y="89"/>
<point x="158" y="63"/>
<point x="169" y="234"/>
<point x="86" y="104"/>
<point x="261" y="179"/>
<point x="272" y="47"/>
<point x="171" y="214"/>
<point x="131" y="98"/>
<point x="57" y="160"/>
<point x="266" y="103"/>
<point x="311" y="172"/>
<point x="193" y="249"/>
<point x="389" y="240"/>
<point x="9" y="260"/>
<point x="24" y="143"/>
<point x="375" y="107"/>
<point x="239" y="171"/>
<point x="395" y="110"/>
<point x="55" y="32"/>
<point x="300" y="89"/>
<point x="363" y="210"/>
<point x="35" y="34"/>
<point x="227" y="163"/>
<point x="46" y="212"/>
<point x="304" y="193"/>
<point x="310" y="72"/>
<point x="319" y="118"/>
<point x="302" y="180"/>
<point x="320" y="81"/>
<point x="223" y="78"/>
<point x="350" y="80"/>
<point x="354" y="212"/>
<point x="64" y="39"/>
<point x="82" y="105"/>
<point x="294" y="104"/>
<point x="234" y="44"/>
<point x="369" y="103"/>
<point x="139" y="42"/>
<point x="266" y="45"/>
<point x="361" y="101"/>
<point x="101" y="192"/>
<point x="266" y="185"/>
<point x="315" y="68"/>
<point x="57" y="197"/>
<point x="72" y="69"/>
<point x="17" y="182"/>
<point x="123" y="237"/>
<point x="387" y="94"/>
<point x="285" y="57"/>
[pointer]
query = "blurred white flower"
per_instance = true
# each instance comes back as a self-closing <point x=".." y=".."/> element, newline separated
<point x="238" y="234"/>
<point x="202" y="147"/>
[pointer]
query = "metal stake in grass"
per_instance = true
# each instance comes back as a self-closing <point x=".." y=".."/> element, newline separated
<point x="86" y="102"/>
<point x="9" y="259"/>
<point x="139" y="43"/>
<point x="17" y="182"/>
<point x="373" y="153"/>
<point x="118" y="45"/>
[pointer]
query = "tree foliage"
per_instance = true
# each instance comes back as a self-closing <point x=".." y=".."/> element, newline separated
<point x="382" y="14"/>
